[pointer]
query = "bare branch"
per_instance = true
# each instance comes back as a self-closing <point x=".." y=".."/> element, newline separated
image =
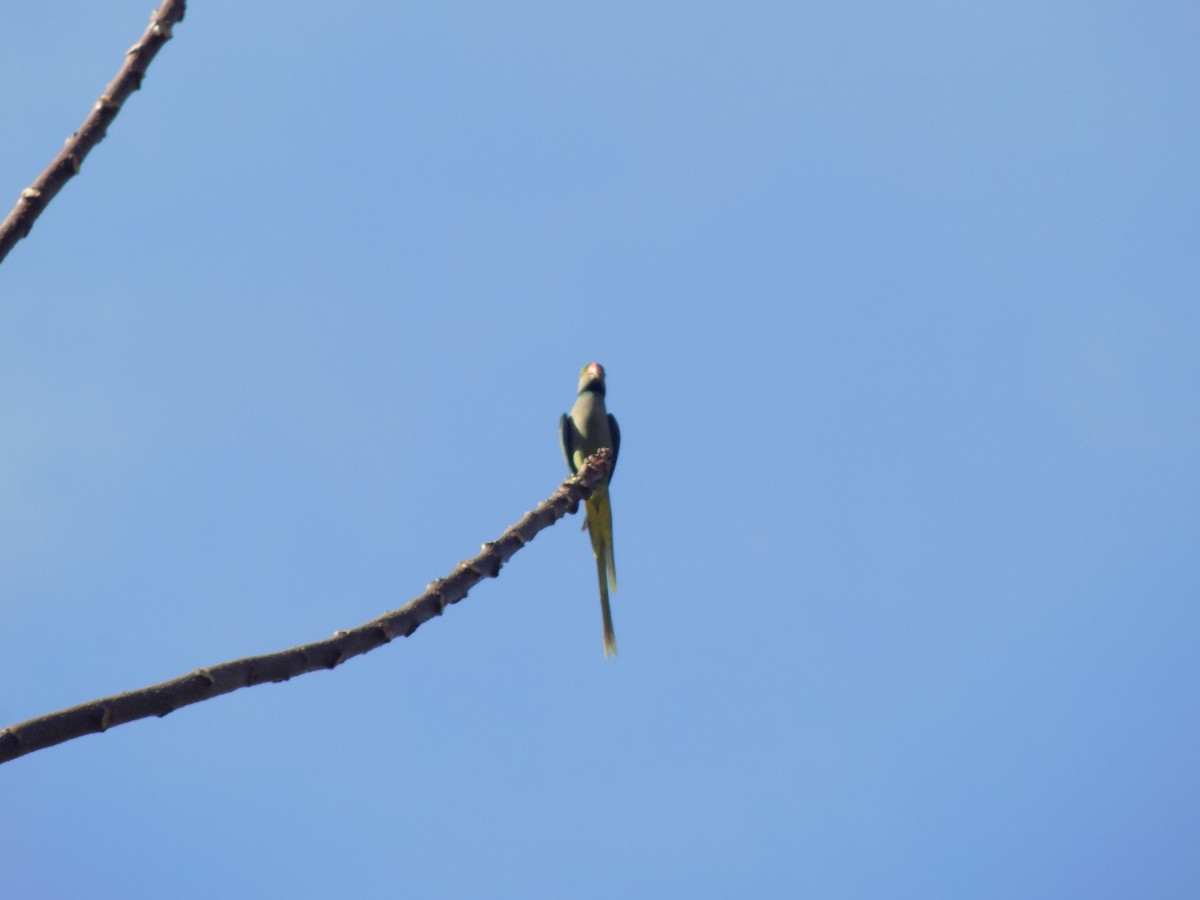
<point x="66" y="165"/>
<point x="203" y="684"/>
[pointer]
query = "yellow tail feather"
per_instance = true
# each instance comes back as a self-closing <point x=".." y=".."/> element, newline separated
<point x="599" y="525"/>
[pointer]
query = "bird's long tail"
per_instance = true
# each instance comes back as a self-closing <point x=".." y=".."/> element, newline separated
<point x="610" y="639"/>
<point x="599" y="522"/>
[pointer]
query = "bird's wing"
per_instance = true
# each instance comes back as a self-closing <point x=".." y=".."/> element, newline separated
<point x="566" y="439"/>
<point x="616" y="443"/>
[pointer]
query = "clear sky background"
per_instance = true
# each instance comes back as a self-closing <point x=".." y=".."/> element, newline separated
<point x="899" y="306"/>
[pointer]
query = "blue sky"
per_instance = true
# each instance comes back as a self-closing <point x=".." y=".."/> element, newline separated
<point x="899" y="310"/>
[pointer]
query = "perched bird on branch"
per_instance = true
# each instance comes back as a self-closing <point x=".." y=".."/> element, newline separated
<point x="582" y="432"/>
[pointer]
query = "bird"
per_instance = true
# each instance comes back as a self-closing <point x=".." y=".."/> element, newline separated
<point x="585" y="429"/>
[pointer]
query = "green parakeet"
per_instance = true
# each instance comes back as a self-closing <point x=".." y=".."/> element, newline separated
<point x="582" y="432"/>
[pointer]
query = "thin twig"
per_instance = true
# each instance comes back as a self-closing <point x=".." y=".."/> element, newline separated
<point x="66" y="165"/>
<point x="203" y="684"/>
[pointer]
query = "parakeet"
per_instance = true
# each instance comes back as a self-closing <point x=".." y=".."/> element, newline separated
<point x="582" y="432"/>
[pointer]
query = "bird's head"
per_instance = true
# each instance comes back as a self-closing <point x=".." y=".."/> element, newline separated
<point x="591" y="378"/>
